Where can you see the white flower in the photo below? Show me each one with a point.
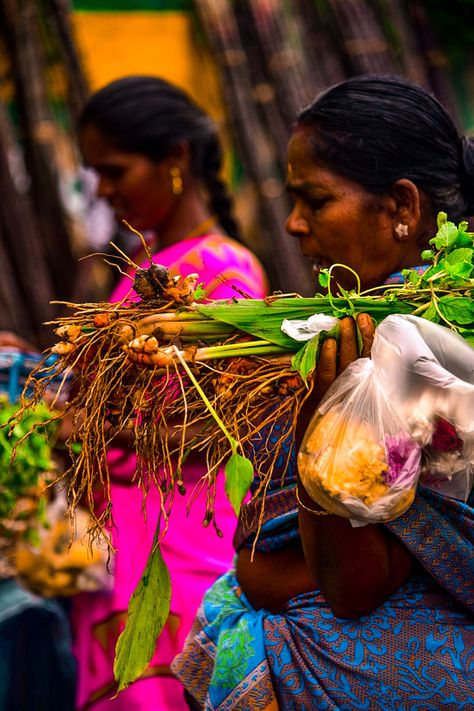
(301, 330)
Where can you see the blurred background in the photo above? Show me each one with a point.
(253, 64)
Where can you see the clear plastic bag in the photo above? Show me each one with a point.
(357, 459)
(406, 415)
(427, 373)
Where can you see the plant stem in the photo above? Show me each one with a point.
(201, 392)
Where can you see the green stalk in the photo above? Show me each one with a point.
(189, 373)
(254, 348)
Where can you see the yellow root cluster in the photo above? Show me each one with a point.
(126, 383)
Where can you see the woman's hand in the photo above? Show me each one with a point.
(331, 362)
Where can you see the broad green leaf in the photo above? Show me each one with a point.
(457, 308)
(148, 611)
(431, 314)
(446, 235)
(304, 361)
(238, 477)
(458, 264)
(432, 272)
(465, 239)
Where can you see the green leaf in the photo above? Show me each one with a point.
(441, 219)
(457, 309)
(199, 292)
(238, 477)
(435, 271)
(458, 264)
(468, 335)
(446, 235)
(324, 277)
(431, 313)
(411, 276)
(148, 611)
(304, 360)
(465, 239)
(427, 255)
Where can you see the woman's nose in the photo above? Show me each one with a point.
(296, 225)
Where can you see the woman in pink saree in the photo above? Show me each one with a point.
(158, 158)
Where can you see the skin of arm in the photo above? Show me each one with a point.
(357, 569)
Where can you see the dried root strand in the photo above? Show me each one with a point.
(106, 347)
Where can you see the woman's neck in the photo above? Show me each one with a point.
(190, 218)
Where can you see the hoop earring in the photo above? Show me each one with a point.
(176, 180)
(401, 230)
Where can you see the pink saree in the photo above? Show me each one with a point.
(195, 555)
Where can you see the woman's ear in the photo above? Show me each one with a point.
(180, 156)
(407, 210)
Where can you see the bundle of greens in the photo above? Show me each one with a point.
(171, 357)
(168, 362)
(26, 468)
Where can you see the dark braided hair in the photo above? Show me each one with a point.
(147, 115)
(376, 130)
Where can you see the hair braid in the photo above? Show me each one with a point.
(208, 169)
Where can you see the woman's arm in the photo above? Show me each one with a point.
(357, 568)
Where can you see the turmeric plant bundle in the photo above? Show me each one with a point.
(181, 374)
(167, 362)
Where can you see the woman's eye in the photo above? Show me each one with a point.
(316, 203)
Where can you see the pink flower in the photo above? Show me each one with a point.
(403, 460)
(445, 438)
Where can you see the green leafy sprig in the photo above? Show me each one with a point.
(25, 454)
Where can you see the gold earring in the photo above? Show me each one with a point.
(401, 230)
(176, 180)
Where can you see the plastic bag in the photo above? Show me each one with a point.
(427, 373)
(357, 460)
(406, 415)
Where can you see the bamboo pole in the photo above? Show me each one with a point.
(25, 282)
(39, 137)
(256, 144)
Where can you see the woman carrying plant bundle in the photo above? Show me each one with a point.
(329, 615)
(158, 160)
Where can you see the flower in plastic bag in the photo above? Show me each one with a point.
(403, 459)
(349, 470)
(342, 458)
(445, 438)
(420, 426)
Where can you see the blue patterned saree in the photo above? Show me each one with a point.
(414, 653)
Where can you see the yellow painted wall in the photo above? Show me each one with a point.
(113, 44)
